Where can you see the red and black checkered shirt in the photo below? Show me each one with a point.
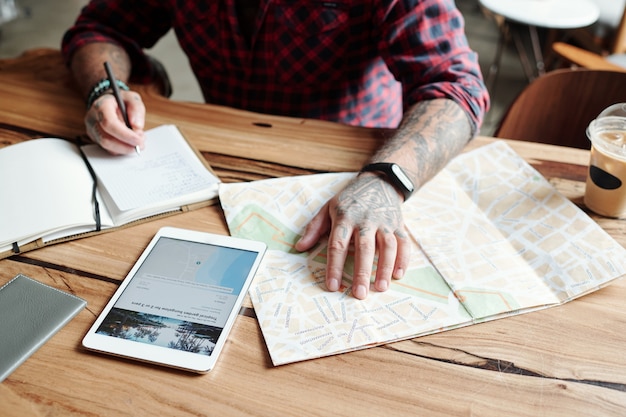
(357, 62)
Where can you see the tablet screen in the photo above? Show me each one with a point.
(180, 296)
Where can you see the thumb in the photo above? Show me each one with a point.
(317, 227)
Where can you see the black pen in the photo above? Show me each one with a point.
(118, 97)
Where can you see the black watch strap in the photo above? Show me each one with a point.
(395, 176)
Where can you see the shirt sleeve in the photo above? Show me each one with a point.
(131, 24)
(424, 45)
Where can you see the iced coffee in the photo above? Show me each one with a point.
(605, 192)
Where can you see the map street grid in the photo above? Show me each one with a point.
(491, 238)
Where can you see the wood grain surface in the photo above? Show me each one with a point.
(564, 361)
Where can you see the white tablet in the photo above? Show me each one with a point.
(179, 301)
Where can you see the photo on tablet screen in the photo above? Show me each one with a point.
(181, 296)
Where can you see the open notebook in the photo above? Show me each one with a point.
(53, 190)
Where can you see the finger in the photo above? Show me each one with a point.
(387, 251)
(338, 245)
(317, 227)
(403, 256)
(135, 108)
(364, 251)
(107, 128)
(113, 124)
(115, 146)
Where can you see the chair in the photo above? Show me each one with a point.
(160, 77)
(557, 107)
(8, 11)
(613, 59)
(514, 18)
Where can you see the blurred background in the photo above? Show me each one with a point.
(26, 24)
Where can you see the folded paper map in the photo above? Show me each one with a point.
(491, 238)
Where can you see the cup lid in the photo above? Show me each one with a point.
(618, 109)
(608, 134)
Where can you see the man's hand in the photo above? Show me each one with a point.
(368, 213)
(105, 124)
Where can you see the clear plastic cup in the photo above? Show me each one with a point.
(605, 191)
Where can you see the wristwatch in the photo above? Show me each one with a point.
(394, 175)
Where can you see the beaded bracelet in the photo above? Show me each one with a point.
(101, 88)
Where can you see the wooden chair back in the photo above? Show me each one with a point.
(588, 51)
(557, 107)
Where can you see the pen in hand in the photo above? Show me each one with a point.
(118, 98)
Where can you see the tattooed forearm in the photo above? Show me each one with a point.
(431, 133)
(87, 64)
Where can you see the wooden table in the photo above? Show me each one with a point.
(568, 360)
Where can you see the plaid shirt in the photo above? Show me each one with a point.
(357, 62)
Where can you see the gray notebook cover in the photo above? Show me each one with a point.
(30, 314)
